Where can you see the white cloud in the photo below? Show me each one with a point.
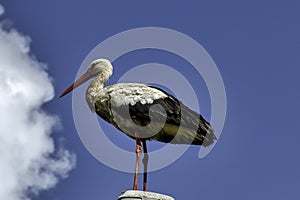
(29, 160)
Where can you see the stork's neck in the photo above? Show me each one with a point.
(95, 88)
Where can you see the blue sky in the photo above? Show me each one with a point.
(255, 46)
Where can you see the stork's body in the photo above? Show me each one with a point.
(130, 104)
(130, 108)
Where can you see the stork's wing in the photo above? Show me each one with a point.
(165, 111)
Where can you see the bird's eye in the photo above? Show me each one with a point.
(93, 65)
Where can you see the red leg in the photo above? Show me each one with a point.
(145, 162)
(138, 152)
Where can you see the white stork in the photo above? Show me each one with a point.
(112, 103)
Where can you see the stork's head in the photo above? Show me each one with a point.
(97, 67)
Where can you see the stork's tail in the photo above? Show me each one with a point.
(205, 134)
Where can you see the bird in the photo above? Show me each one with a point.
(131, 107)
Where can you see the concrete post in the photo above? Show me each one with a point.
(141, 195)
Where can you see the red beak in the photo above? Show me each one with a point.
(78, 82)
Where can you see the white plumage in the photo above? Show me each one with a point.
(129, 93)
(120, 94)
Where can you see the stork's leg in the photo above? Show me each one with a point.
(145, 162)
(138, 152)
